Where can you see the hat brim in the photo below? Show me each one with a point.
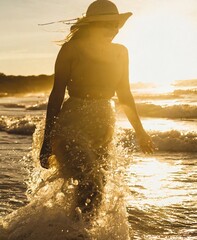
(120, 18)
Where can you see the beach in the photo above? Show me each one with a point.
(160, 189)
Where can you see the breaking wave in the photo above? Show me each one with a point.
(172, 141)
(175, 111)
(168, 141)
(19, 125)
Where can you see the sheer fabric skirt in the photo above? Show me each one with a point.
(80, 141)
(81, 137)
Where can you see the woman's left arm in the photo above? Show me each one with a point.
(127, 102)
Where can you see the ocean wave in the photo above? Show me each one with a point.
(169, 141)
(176, 94)
(146, 97)
(3, 95)
(181, 92)
(13, 105)
(175, 141)
(19, 125)
(172, 141)
(146, 110)
(175, 111)
(186, 83)
(38, 106)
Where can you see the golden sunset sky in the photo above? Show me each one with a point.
(161, 36)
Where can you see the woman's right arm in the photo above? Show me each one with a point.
(61, 76)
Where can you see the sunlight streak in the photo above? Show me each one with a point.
(153, 181)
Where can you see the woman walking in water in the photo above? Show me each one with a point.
(79, 130)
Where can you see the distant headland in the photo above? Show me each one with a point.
(10, 84)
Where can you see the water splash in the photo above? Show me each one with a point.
(48, 214)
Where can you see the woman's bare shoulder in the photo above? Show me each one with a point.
(67, 48)
(119, 46)
(121, 49)
(67, 52)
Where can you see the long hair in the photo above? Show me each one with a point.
(77, 31)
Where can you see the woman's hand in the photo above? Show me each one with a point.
(45, 153)
(145, 142)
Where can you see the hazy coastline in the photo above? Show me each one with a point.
(10, 84)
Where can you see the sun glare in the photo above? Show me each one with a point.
(162, 48)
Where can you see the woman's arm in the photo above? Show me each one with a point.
(62, 75)
(127, 102)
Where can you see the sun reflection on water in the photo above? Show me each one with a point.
(160, 124)
(155, 183)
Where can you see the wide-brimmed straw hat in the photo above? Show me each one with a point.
(104, 11)
(98, 11)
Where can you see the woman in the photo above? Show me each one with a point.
(79, 131)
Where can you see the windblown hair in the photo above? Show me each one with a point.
(78, 30)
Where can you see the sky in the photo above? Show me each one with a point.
(161, 36)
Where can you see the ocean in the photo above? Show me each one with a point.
(148, 196)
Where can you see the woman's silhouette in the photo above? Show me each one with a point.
(78, 132)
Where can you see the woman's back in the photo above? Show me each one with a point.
(96, 68)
